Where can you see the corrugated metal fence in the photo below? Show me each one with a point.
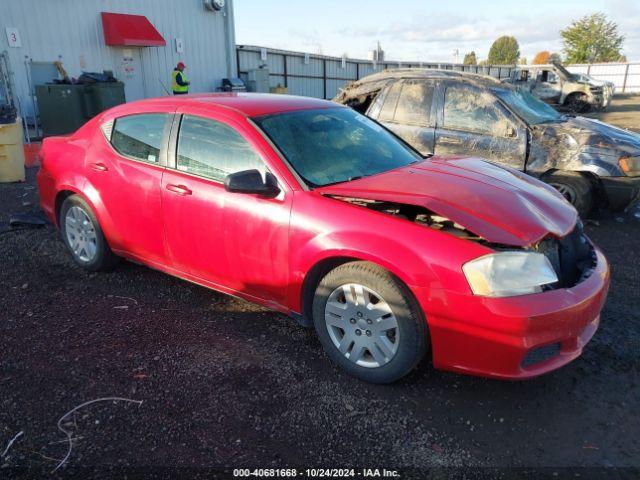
(625, 76)
(322, 76)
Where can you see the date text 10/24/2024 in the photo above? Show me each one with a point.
(316, 473)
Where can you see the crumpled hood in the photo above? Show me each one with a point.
(590, 132)
(500, 205)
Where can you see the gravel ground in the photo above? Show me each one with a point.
(623, 112)
(224, 383)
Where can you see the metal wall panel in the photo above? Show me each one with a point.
(71, 31)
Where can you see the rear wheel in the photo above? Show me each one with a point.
(577, 189)
(369, 323)
(83, 236)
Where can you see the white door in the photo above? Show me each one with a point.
(128, 69)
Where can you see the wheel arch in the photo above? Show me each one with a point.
(61, 196)
(95, 203)
(574, 93)
(322, 267)
(589, 175)
(311, 281)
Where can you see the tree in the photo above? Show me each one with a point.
(470, 59)
(541, 58)
(523, 61)
(555, 58)
(504, 51)
(592, 39)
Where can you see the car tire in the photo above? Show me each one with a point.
(575, 187)
(577, 103)
(82, 235)
(393, 334)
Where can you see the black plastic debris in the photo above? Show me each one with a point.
(26, 219)
(96, 77)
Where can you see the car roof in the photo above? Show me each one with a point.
(246, 104)
(404, 73)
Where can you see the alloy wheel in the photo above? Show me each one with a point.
(81, 234)
(362, 326)
(566, 191)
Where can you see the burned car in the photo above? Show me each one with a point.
(555, 85)
(452, 113)
(608, 87)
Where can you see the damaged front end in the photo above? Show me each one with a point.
(572, 257)
(413, 213)
(609, 155)
(581, 144)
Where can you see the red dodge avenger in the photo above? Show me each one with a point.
(316, 211)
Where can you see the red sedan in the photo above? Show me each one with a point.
(314, 210)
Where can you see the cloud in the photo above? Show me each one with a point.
(438, 34)
(443, 33)
(413, 35)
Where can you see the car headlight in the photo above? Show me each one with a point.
(506, 274)
(630, 166)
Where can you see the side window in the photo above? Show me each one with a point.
(414, 105)
(470, 110)
(376, 106)
(211, 149)
(139, 136)
(391, 100)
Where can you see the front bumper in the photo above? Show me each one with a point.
(621, 192)
(501, 337)
(597, 101)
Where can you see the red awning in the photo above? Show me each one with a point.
(123, 30)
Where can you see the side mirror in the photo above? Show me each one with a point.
(251, 181)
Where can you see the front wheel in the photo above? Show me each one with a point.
(83, 236)
(573, 186)
(369, 323)
(578, 103)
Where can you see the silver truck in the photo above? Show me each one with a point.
(560, 88)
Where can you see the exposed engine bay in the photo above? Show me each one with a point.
(416, 214)
(572, 257)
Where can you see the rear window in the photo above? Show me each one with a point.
(139, 136)
(390, 101)
(407, 102)
(414, 105)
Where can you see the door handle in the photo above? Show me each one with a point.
(99, 167)
(179, 189)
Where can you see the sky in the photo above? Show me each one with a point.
(422, 30)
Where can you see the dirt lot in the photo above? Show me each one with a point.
(624, 112)
(226, 384)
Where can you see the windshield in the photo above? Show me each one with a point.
(334, 145)
(581, 77)
(528, 107)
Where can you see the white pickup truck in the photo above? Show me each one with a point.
(555, 85)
